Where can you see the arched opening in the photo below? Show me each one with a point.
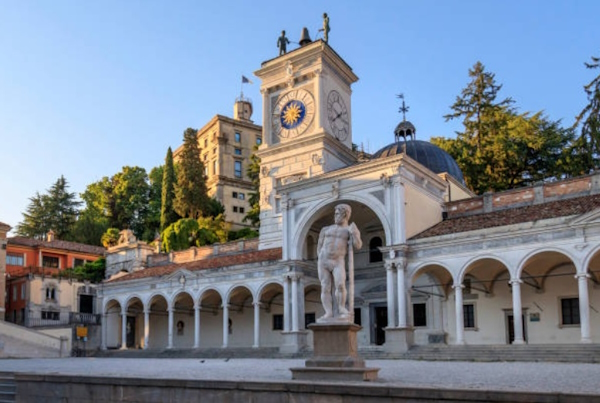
(159, 322)
(241, 317)
(112, 323)
(427, 309)
(134, 331)
(375, 254)
(271, 315)
(183, 321)
(211, 319)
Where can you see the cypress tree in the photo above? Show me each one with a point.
(167, 213)
(191, 197)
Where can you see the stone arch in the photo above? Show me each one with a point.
(534, 254)
(487, 269)
(183, 319)
(270, 293)
(111, 322)
(153, 296)
(210, 302)
(238, 295)
(317, 212)
(109, 301)
(592, 260)
(130, 297)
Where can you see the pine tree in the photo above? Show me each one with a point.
(191, 197)
(587, 146)
(35, 220)
(167, 213)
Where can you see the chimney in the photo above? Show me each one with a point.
(50, 236)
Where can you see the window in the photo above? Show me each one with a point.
(15, 260)
(242, 210)
(375, 254)
(205, 157)
(23, 291)
(79, 262)
(205, 143)
(420, 314)
(234, 195)
(278, 322)
(309, 318)
(358, 316)
(235, 209)
(237, 151)
(258, 141)
(51, 294)
(238, 137)
(214, 151)
(241, 196)
(469, 316)
(50, 261)
(214, 167)
(50, 315)
(238, 169)
(14, 293)
(570, 311)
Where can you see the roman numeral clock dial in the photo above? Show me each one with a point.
(293, 113)
(337, 114)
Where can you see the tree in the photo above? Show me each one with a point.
(91, 271)
(56, 210)
(180, 235)
(169, 179)
(191, 197)
(253, 172)
(587, 146)
(110, 237)
(153, 214)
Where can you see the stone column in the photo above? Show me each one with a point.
(196, 325)
(146, 328)
(104, 331)
(225, 325)
(286, 304)
(402, 314)
(584, 307)
(294, 277)
(256, 325)
(458, 307)
(171, 320)
(517, 311)
(391, 300)
(123, 329)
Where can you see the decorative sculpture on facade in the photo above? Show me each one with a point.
(335, 241)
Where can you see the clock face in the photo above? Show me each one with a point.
(337, 114)
(293, 113)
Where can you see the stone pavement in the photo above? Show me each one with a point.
(501, 376)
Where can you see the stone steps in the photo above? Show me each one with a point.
(234, 352)
(8, 388)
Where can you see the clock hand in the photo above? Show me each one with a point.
(336, 118)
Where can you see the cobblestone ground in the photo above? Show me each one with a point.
(512, 376)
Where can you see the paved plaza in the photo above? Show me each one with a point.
(504, 376)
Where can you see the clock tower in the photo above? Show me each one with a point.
(307, 128)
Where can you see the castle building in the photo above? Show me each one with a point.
(438, 265)
(226, 146)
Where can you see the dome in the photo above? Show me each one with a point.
(405, 129)
(426, 154)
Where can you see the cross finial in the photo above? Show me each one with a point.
(403, 109)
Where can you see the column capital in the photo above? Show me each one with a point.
(515, 281)
(258, 303)
(400, 262)
(389, 265)
(582, 275)
(458, 286)
(295, 276)
(146, 311)
(225, 306)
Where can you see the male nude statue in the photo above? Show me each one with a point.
(282, 42)
(331, 250)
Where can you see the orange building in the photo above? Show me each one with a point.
(31, 261)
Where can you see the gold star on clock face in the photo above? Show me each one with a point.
(291, 113)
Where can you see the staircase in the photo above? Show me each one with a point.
(8, 388)
(232, 352)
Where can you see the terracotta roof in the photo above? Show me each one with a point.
(559, 208)
(4, 224)
(210, 263)
(58, 244)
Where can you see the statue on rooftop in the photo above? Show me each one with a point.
(325, 28)
(335, 241)
(282, 43)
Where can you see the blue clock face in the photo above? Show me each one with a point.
(292, 114)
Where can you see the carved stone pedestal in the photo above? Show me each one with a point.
(335, 355)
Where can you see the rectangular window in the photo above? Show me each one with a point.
(238, 169)
(235, 209)
(214, 167)
(469, 316)
(23, 291)
(358, 316)
(278, 322)
(50, 261)
(238, 137)
(570, 311)
(78, 262)
(205, 143)
(234, 195)
(420, 314)
(237, 151)
(258, 141)
(241, 196)
(214, 151)
(15, 260)
(242, 210)
(309, 318)
(49, 315)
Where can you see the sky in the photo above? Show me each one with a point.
(89, 87)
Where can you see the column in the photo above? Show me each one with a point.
(584, 307)
(294, 278)
(225, 325)
(402, 314)
(391, 300)
(104, 331)
(517, 311)
(196, 325)
(460, 319)
(286, 304)
(123, 329)
(146, 328)
(256, 325)
(170, 342)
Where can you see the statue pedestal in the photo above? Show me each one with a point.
(398, 339)
(335, 355)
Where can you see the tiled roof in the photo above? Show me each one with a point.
(4, 224)
(58, 244)
(266, 255)
(559, 208)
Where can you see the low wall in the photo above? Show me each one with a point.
(25, 336)
(61, 388)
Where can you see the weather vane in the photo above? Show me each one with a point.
(403, 109)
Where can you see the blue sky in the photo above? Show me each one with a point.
(89, 87)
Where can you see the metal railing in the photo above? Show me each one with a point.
(73, 318)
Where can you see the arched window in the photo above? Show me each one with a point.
(375, 254)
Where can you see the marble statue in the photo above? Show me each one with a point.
(335, 241)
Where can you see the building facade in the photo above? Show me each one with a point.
(4, 228)
(438, 265)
